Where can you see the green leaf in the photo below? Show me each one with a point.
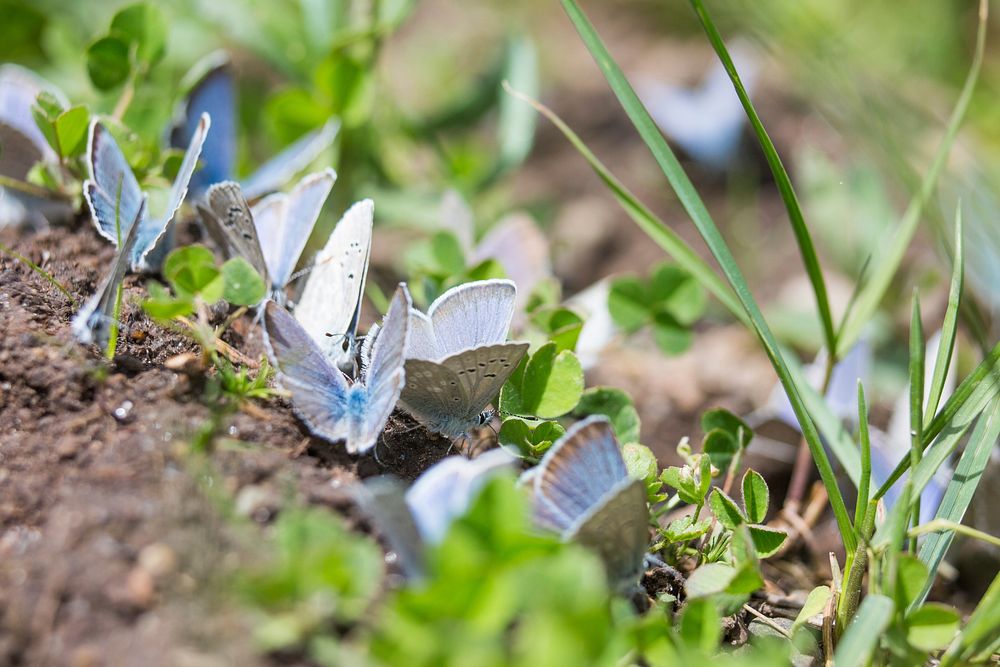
(720, 418)
(108, 63)
(815, 604)
(628, 303)
(616, 405)
(516, 123)
(562, 325)
(946, 344)
(685, 529)
(980, 631)
(448, 253)
(546, 384)
(243, 285)
(806, 248)
(709, 579)
(932, 626)
(910, 576)
(24, 29)
(347, 86)
(46, 125)
(767, 541)
(861, 640)
(962, 487)
(698, 212)
(755, 496)
(676, 290)
(531, 439)
(71, 129)
(700, 626)
(191, 271)
(640, 461)
(162, 306)
(726, 510)
(144, 26)
(720, 447)
(670, 335)
(684, 482)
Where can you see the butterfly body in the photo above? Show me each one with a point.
(332, 407)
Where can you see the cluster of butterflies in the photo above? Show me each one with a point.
(444, 367)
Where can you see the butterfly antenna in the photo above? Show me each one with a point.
(309, 269)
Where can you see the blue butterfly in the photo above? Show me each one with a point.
(115, 198)
(215, 93)
(581, 490)
(321, 395)
(92, 323)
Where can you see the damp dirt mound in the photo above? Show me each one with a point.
(110, 539)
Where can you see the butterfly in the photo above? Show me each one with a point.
(271, 234)
(114, 196)
(92, 323)
(331, 407)
(214, 93)
(581, 490)
(458, 358)
(421, 515)
(22, 146)
(707, 121)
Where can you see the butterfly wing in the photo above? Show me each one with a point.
(617, 529)
(92, 323)
(472, 315)
(229, 222)
(383, 498)
(214, 94)
(448, 396)
(281, 168)
(330, 304)
(522, 250)
(151, 229)
(583, 491)
(112, 192)
(579, 468)
(319, 392)
(385, 373)
(284, 223)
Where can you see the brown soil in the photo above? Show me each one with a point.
(103, 509)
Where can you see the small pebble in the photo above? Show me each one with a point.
(158, 559)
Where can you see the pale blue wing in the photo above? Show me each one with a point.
(285, 222)
(278, 171)
(471, 315)
(385, 374)
(151, 229)
(112, 192)
(92, 323)
(330, 304)
(617, 528)
(319, 392)
(214, 94)
(383, 499)
(576, 473)
(445, 491)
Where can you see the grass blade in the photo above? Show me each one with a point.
(696, 209)
(946, 346)
(887, 265)
(982, 629)
(806, 248)
(962, 487)
(980, 387)
(657, 230)
(40, 271)
(916, 398)
(859, 643)
(866, 461)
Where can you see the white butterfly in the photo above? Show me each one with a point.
(458, 357)
(581, 490)
(115, 198)
(321, 396)
(271, 234)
